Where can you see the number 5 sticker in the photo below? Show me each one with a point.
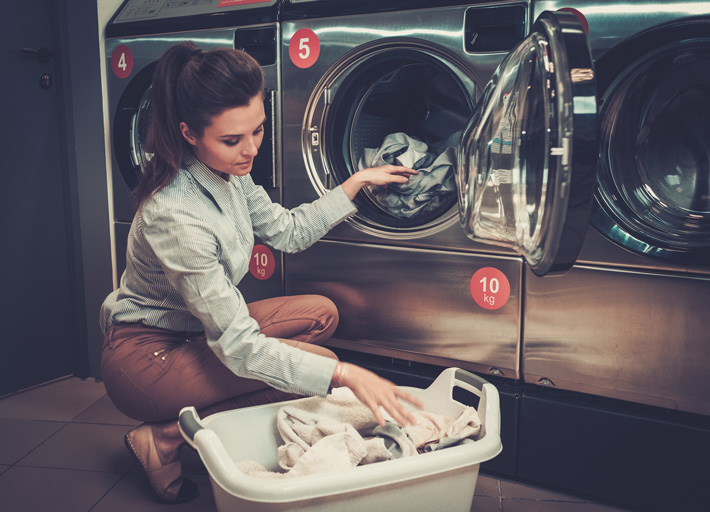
(490, 288)
(304, 48)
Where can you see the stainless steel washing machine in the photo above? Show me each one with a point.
(629, 320)
(442, 285)
(137, 35)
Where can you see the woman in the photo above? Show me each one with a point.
(178, 331)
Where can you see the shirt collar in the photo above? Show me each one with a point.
(214, 182)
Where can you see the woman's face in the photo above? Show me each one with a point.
(231, 142)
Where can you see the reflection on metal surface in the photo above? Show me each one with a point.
(422, 32)
(610, 22)
(581, 74)
(409, 302)
(626, 335)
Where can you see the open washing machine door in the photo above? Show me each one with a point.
(527, 159)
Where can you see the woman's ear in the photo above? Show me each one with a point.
(187, 134)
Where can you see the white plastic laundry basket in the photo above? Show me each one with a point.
(443, 480)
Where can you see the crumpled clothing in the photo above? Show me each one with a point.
(338, 432)
(437, 431)
(423, 193)
(323, 434)
(397, 442)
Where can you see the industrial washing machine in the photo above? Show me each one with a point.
(408, 281)
(605, 361)
(629, 321)
(136, 36)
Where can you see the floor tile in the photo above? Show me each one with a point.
(59, 401)
(20, 437)
(83, 446)
(510, 505)
(518, 490)
(43, 489)
(487, 486)
(192, 463)
(486, 504)
(103, 411)
(133, 492)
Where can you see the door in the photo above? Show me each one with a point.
(527, 160)
(36, 286)
(653, 196)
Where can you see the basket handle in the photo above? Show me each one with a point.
(472, 380)
(189, 423)
(444, 384)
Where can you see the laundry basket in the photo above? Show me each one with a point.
(442, 480)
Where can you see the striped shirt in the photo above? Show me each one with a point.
(188, 248)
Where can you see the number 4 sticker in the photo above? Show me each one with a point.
(122, 61)
(304, 48)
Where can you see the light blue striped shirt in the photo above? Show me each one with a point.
(188, 248)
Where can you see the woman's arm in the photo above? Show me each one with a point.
(300, 227)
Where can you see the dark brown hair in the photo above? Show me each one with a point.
(191, 86)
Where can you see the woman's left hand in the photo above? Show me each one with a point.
(377, 176)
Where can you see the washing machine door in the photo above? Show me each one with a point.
(527, 159)
(653, 193)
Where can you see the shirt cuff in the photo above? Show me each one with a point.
(337, 206)
(316, 374)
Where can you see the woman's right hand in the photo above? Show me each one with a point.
(378, 176)
(375, 392)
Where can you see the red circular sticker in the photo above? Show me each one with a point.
(304, 48)
(490, 288)
(122, 61)
(581, 17)
(262, 263)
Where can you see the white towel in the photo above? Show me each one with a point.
(324, 435)
(328, 431)
(432, 427)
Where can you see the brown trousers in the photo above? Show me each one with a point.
(150, 373)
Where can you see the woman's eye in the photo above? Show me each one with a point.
(231, 142)
(259, 130)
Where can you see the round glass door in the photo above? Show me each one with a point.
(527, 159)
(399, 102)
(653, 196)
(139, 131)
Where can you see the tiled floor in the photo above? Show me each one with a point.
(62, 449)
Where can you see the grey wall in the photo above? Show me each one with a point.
(86, 161)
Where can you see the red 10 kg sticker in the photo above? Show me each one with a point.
(490, 288)
(262, 263)
(304, 48)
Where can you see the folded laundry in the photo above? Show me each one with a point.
(339, 432)
(423, 193)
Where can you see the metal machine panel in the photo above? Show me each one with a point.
(610, 21)
(628, 335)
(413, 304)
(441, 31)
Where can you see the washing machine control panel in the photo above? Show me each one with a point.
(137, 10)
